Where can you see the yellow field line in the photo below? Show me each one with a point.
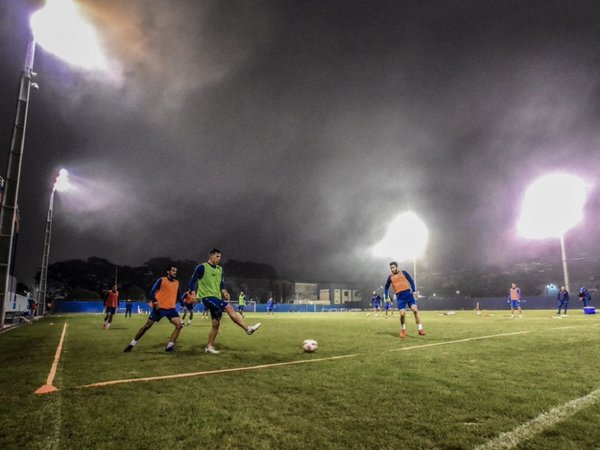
(288, 363)
(212, 372)
(48, 387)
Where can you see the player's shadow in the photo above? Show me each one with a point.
(387, 333)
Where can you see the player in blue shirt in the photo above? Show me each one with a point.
(387, 306)
(563, 300)
(376, 301)
(585, 296)
(270, 306)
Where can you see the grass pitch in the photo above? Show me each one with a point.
(469, 380)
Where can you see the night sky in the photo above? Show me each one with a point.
(292, 132)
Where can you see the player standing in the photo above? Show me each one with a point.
(270, 306)
(404, 288)
(111, 302)
(241, 303)
(163, 296)
(514, 297)
(128, 307)
(208, 277)
(562, 300)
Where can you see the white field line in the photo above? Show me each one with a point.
(546, 420)
(456, 342)
(288, 363)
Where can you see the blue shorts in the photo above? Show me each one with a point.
(157, 314)
(405, 298)
(376, 305)
(216, 306)
(110, 309)
(241, 307)
(189, 306)
(387, 306)
(515, 303)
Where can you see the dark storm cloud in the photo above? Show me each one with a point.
(293, 132)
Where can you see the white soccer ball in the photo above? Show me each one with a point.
(310, 345)
(368, 314)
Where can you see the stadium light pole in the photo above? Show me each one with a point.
(553, 204)
(61, 185)
(60, 29)
(405, 239)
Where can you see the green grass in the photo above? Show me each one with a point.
(452, 396)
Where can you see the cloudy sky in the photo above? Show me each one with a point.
(292, 132)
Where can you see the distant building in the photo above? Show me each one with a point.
(327, 293)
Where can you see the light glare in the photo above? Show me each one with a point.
(62, 183)
(405, 239)
(553, 204)
(60, 29)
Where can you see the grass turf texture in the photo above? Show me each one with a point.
(458, 395)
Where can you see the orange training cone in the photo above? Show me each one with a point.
(46, 389)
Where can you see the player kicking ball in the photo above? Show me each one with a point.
(164, 296)
(208, 279)
(404, 288)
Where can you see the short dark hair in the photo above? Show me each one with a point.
(214, 251)
(171, 266)
(394, 263)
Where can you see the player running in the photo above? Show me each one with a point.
(163, 296)
(208, 278)
(387, 307)
(404, 288)
(376, 301)
(188, 301)
(111, 303)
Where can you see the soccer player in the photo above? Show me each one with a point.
(584, 296)
(208, 280)
(404, 288)
(563, 300)
(376, 301)
(387, 306)
(270, 306)
(514, 297)
(241, 303)
(111, 302)
(128, 307)
(188, 300)
(163, 297)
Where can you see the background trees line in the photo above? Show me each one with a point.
(79, 279)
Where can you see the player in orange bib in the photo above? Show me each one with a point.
(404, 288)
(163, 296)
(111, 303)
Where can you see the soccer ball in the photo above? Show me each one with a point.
(310, 345)
(368, 314)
